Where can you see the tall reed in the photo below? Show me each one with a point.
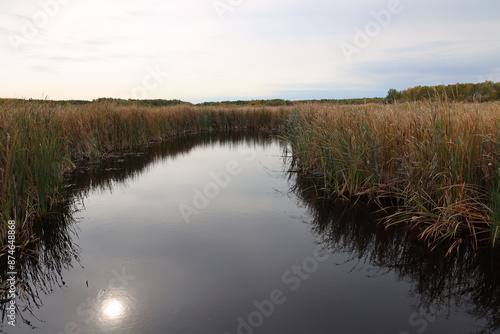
(437, 164)
(39, 142)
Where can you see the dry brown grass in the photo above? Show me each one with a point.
(437, 164)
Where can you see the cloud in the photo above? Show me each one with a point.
(261, 49)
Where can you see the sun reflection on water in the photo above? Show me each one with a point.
(113, 309)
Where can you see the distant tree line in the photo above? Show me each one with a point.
(479, 92)
(357, 101)
(152, 103)
(255, 103)
(59, 102)
(281, 102)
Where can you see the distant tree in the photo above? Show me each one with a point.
(393, 95)
(487, 91)
(468, 92)
(496, 85)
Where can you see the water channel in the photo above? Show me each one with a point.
(211, 234)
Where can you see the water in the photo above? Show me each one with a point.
(210, 234)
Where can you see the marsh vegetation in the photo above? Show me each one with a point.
(433, 167)
(429, 166)
(40, 142)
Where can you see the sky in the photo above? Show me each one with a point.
(213, 50)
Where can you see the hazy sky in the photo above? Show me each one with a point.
(205, 50)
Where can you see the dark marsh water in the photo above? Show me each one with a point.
(210, 234)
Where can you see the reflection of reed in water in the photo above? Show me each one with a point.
(470, 279)
(126, 166)
(41, 263)
(52, 247)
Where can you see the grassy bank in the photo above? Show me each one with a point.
(436, 165)
(40, 142)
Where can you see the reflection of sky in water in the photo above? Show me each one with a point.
(156, 195)
(150, 272)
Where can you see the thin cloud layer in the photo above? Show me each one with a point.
(214, 50)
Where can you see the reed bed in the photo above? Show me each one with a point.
(433, 167)
(40, 142)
